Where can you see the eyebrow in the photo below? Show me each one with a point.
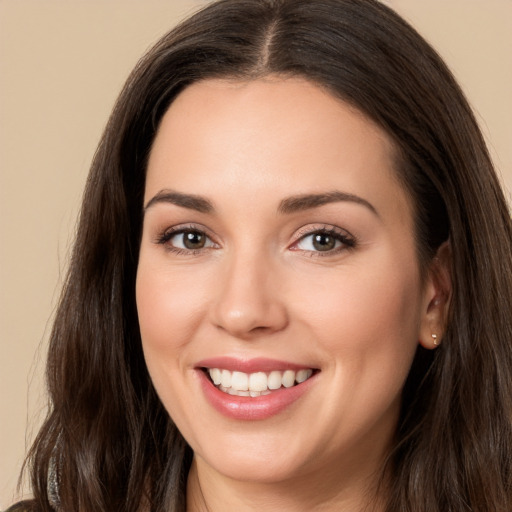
(289, 205)
(189, 201)
(307, 201)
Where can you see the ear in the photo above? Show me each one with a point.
(436, 298)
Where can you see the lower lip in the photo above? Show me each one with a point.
(252, 408)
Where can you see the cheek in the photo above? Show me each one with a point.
(366, 319)
(369, 301)
(170, 306)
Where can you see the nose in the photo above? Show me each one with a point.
(249, 303)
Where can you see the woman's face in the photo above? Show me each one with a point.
(278, 258)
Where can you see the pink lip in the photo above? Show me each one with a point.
(259, 364)
(252, 408)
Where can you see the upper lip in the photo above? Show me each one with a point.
(259, 364)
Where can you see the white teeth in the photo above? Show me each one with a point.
(258, 381)
(239, 381)
(275, 380)
(225, 378)
(303, 375)
(256, 384)
(288, 378)
(216, 376)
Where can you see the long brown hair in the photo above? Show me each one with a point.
(109, 444)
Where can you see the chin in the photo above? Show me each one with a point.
(260, 471)
(259, 461)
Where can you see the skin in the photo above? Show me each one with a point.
(260, 288)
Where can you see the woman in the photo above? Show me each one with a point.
(291, 284)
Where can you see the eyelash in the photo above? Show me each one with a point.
(346, 240)
(168, 234)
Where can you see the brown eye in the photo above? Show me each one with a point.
(323, 242)
(186, 240)
(194, 239)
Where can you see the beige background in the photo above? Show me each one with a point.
(62, 64)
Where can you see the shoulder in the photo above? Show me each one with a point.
(22, 506)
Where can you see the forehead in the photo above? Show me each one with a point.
(271, 137)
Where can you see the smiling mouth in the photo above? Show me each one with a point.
(258, 383)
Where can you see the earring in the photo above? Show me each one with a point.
(434, 337)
